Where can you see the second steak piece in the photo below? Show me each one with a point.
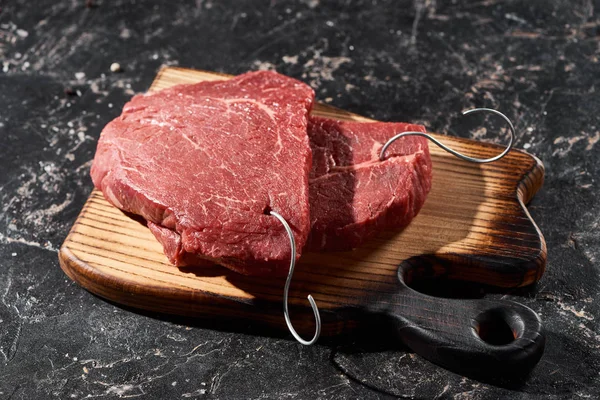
(353, 194)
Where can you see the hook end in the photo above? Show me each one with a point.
(317, 314)
(286, 289)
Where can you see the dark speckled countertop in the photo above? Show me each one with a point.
(422, 61)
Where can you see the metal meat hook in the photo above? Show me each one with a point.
(454, 152)
(286, 289)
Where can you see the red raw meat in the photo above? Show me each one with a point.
(353, 194)
(204, 164)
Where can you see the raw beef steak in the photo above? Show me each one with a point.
(353, 194)
(205, 163)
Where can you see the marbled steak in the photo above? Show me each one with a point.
(206, 162)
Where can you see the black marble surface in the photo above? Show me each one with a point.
(422, 61)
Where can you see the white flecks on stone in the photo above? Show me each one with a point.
(580, 314)
(195, 393)
(479, 133)
(115, 67)
(41, 217)
(22, 33)
(263, 66)
(120, 390)
(176, 337)
(321, 68)
(110, 105)
(561, 152)
(311, 3)
(290, 59)
(14, 254)
(329, 23)
(514, 17)
(592, 140)
(79, 75)
(526, 146)
(25, 189)
(6, 239)
(125, 33)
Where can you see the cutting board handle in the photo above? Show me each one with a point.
(476, 337)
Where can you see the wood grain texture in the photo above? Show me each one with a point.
(474, 226)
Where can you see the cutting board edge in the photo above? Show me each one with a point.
(529, 185)
(160, 300)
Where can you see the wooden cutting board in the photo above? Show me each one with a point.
(474, 227)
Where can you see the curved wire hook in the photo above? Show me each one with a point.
(286, 289)
(454, 152)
